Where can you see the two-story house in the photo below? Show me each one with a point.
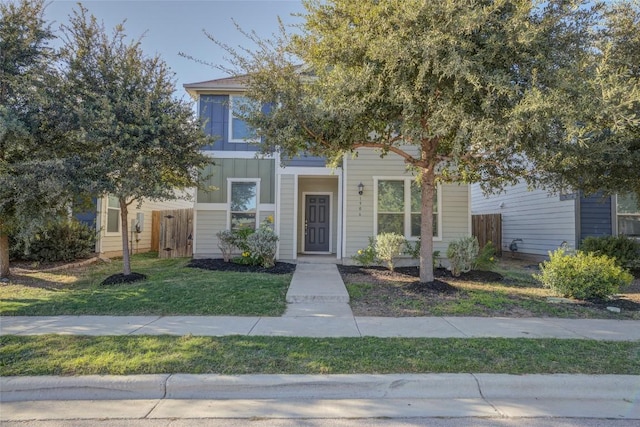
(315, 209)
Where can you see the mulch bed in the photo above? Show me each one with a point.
(120, 278)
(218, 264)
(413, 272)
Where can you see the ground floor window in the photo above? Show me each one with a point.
(398, 203)
(243, 204)
(113, 215)
(628, 214)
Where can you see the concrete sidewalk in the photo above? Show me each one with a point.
(326, 326)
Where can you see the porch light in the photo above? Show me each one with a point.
(360, 188)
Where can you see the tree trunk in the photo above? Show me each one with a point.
(124, 217)
(4, 255)
(426, 225)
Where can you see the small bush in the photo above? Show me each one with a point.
(486, 258)
(262, 247)
(240, 238)
(582, 275)
(462, 254)
(388, 247)
(625, 250)
(367, 256)
(60, 241)
(226, 243)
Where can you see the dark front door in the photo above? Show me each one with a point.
(316, 223)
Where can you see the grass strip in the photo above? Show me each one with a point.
(124, 355)
(171, 289)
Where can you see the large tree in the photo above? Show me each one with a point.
(459, 89)
(36, 177)
(136, 140)
(602, 153)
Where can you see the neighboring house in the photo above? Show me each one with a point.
(316, 210)
(105, 216)
(536, 222)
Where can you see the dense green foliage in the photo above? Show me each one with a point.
(37, 178)
(389, 247)
(582, 275)
(462, 254)
(601, 150)
(460, 91)
(64, 240)
(138, 141)
(625, 250)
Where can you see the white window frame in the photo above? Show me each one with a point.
(118, 210)
(230, 182)
(407, 206)
(617, 214)
(231, 116)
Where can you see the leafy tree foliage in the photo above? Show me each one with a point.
(460, 90)
(35, 175)
(137, 141)
(602, 150)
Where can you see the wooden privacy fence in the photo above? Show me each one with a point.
(488, 228)
(172, 233)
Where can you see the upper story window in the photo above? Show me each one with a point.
(239, 131)
(628, 214)
(398, 205)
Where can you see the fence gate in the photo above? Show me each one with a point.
(488, 228)
(175, 232)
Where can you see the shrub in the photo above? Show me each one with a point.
(388, 247)
(486, 257)
(226, 243)
(366, 256)
(462, 254)
(65, 240)
(240, 238)
(625, 250)
(262, 246)
(413, 250)
(582, 275)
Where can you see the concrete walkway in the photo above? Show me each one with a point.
(318, 307)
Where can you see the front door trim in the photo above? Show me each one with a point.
(304, 218)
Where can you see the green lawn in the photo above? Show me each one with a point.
(81, 355)
(171, 289)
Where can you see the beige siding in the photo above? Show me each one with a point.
(359, 210)
(208, 223)
(238, 168)
(111, 243)
(287, 220)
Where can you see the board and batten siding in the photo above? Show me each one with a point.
(596, 213)
(222, 169)
(359, 210)
(541, 220)
(214, 113)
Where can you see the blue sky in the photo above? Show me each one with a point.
(174, 26)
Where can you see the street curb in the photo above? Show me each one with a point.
(394, 386)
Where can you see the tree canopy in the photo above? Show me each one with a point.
(35, 180)
(135, 140)
(602, 150)
(460, 90)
